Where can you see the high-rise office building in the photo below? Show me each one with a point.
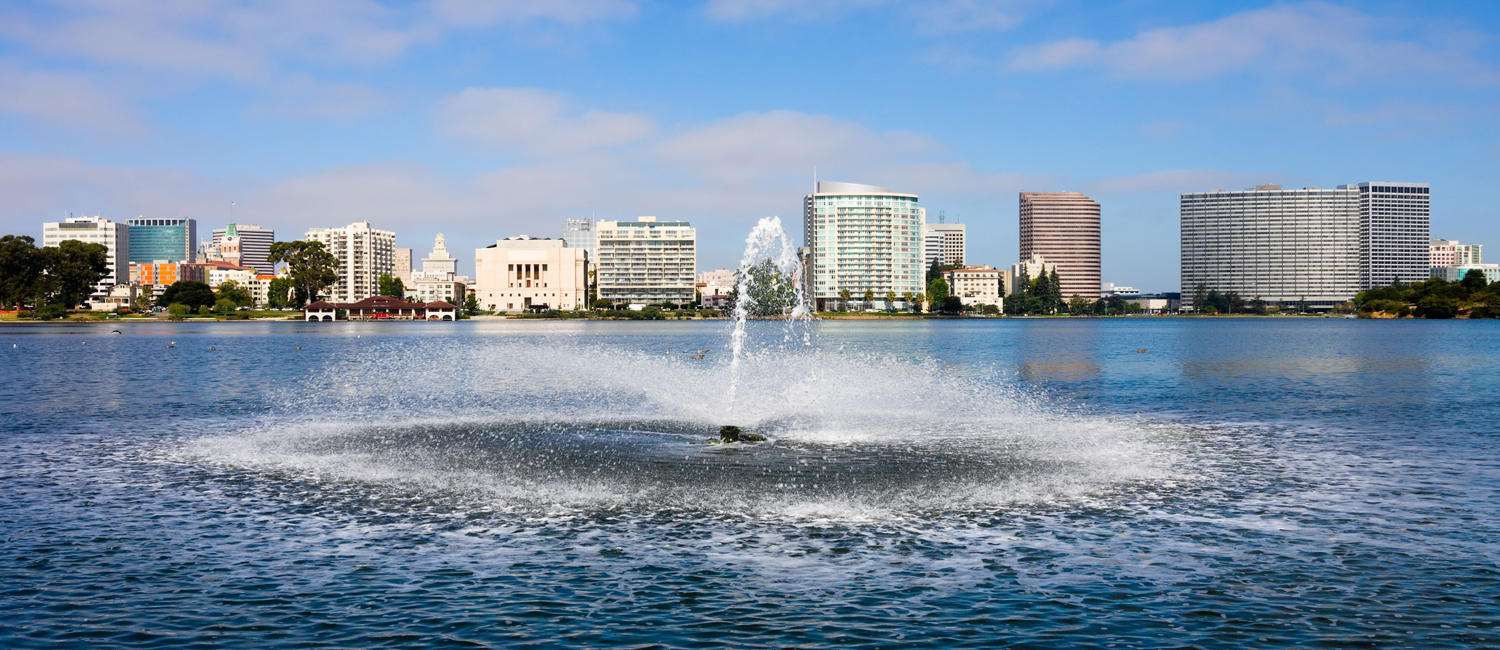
(862, 238)
(1063, 227)
(1395, 231)
(364, 254)
(945, 243)
(163, 240)
(646, 261)
(93, 230)
(1315, 245)
(1273, 244)
(254, 246)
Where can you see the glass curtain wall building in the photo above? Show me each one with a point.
(163, 240)
(862, 238)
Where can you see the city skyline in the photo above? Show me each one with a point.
(481, 122)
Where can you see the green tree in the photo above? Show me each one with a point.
(767, 291)
(669, 305)
(311, 267)
(471, 304)
(1079, 305)
(890, 301)
(844, 296)
(1474, 280)
(279, 293)
(391, 286)
(869, 298)
(603, 304)
(917, 301)
(1023, 283)
(178, 311)
(934, 271)
(937, 293)
(234, 293)
(1200, 296)
(192, 293)
(21, 266)
(1054, 295)
(224, 306)
(952, 305)
(73, 271)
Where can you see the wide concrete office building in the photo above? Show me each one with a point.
(863, 237)
(945, 243)
(170, 240)
(1320, 246)
(253, 243)
(93, 230)
(646, 261)
(364, 253)
(1063, 227)
(520, 273)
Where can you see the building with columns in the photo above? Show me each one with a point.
(521, 273)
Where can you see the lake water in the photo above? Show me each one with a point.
(1025, 483)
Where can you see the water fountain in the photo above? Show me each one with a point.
(768, 284)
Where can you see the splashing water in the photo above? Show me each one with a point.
(768, 283)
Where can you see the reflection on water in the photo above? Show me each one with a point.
(1245, 483)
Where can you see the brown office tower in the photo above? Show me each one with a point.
(1063, 227)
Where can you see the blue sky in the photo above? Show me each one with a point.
(483, 120)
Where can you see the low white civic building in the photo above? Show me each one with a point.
(525, 273)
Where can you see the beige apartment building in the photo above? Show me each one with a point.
(364, 253)
(1034, 266)
(975, 285)
(520, 273)
(1063, 227)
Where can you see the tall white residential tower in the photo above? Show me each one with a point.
(364, 253)
(647, 261)
(862, 237)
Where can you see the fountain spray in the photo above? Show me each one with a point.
(768, 284)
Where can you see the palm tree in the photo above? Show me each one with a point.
(869, 298)
(844, 297)
(890, 301)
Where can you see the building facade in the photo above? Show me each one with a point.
(364, 253)
(1449, 252)
(718, 282)
(252, 246)
(520, 273)
(862, 237)
(975, 285)
(1031, 268)
(171, 240)
(439, 263)
(1316, 245)
(1457, 272)
(646, 261)
(401, 267)
(944, 243)
(1064, 228)
(1395, 233)
(93, 230)
(580, 233)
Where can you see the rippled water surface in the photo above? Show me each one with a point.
(1024, 483)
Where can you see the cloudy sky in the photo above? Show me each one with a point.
(483, 120)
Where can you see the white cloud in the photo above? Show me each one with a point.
(246, 39)
(67, 100)
(301, 97)
(754, 147)
(1312, 35)
(931, 16)
(535, 122)
(1177, 181)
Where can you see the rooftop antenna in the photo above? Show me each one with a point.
(942, 216)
